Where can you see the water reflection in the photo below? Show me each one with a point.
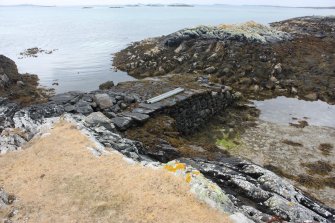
(285, 110)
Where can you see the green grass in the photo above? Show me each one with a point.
(227, 143)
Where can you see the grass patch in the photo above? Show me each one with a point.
(227, 143)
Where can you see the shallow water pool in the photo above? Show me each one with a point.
(285, 110)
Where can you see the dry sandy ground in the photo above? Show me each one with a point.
(57, 179)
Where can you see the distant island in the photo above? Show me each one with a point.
(155, 5)
(180, 5)
(303, 7)
(133, 5)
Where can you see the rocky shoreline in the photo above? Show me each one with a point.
(248, 189)
(290, 58)
(217, 67)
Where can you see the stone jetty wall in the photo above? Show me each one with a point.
(191, 113)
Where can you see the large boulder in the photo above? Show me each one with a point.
(104, 101)
(99, 119)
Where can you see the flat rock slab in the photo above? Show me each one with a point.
(122, 123)
(104, 101)
(156, 106)
(69, 97)
(143, 111)
(136, 116)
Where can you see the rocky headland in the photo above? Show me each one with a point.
(292, 58)
(218, 68)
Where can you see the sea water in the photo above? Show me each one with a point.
(87, 38)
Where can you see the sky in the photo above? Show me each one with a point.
(319, 3)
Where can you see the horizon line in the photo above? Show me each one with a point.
(168, 4)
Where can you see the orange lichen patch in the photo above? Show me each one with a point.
(175, 168)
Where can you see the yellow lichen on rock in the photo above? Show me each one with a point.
(175, 167)
(188, 177)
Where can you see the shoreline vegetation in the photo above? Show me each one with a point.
(211, 124)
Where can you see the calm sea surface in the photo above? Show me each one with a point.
(87, 38)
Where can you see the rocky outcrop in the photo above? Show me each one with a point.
(235, 186)
(241, 188)
(261, 193)
(318, 26)
(289, 58)
(247, 32)
(23, 88)
(8, 72)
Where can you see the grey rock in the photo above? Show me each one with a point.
(261, 34)
(104, 101)
(69, 97)
(107, 85)
(136, 116)
(123, 105)
(155, 107)
(110, 114)
(86, 109)
(83, 107)
(164, 152)
(69, 108)
(87, 98)
(20, 83)
(4, 80)
(116, 108)
(210, 70)
(262, 188)
(122, 123)
(97, 118)
(143, 111)
(7, 111)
